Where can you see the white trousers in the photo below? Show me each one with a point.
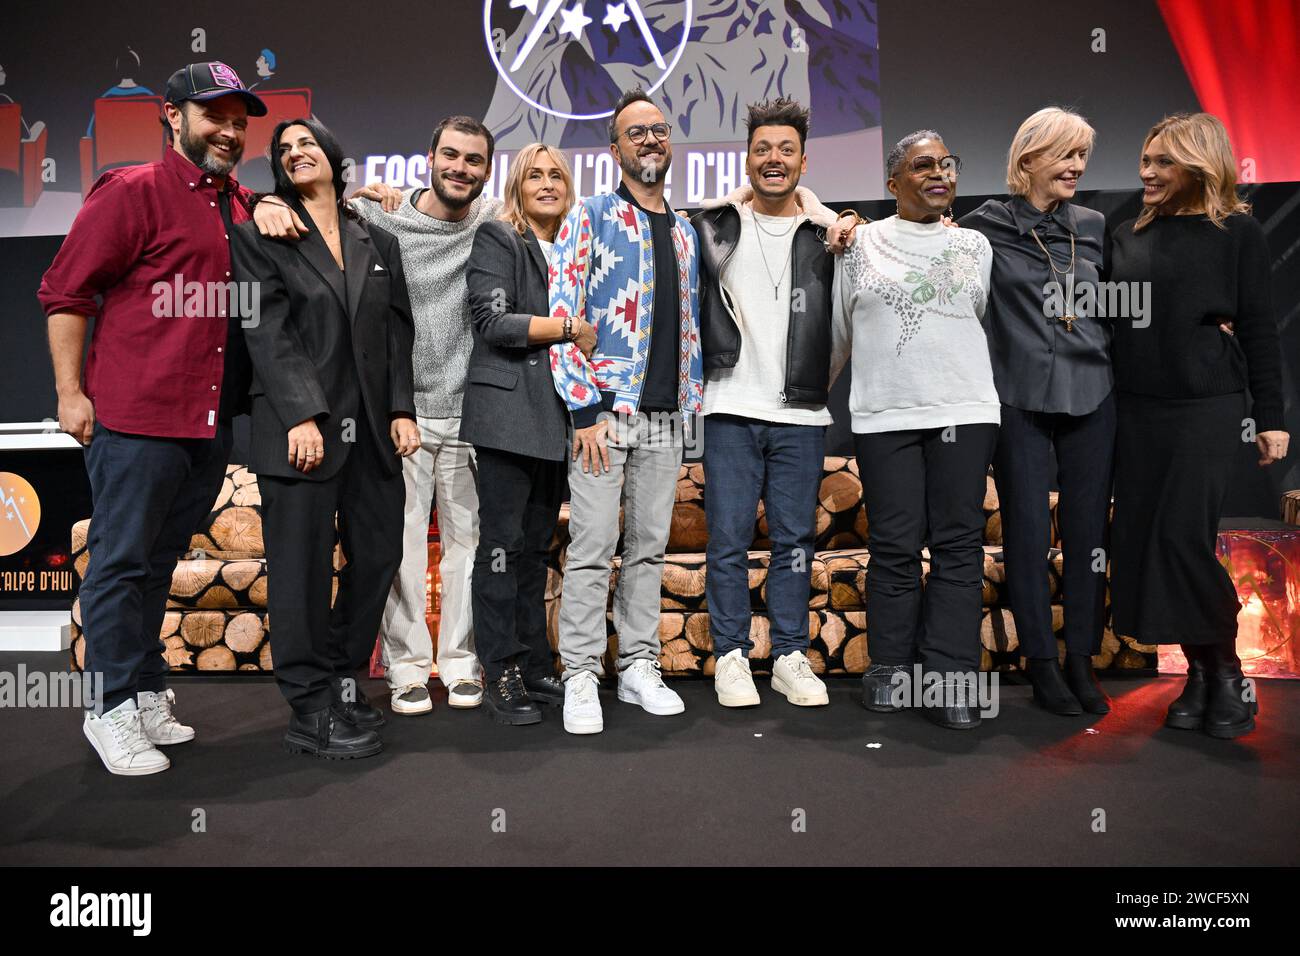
(443, 470)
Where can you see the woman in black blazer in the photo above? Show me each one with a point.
(333, 408)
(518, 425)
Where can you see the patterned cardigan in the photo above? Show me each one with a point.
(602, 270)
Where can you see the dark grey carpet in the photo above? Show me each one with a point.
(712, 786)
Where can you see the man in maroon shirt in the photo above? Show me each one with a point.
(165, 373)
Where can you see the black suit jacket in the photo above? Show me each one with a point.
(326, 340)
(510, 399)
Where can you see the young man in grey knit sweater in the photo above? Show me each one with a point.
(435, 231)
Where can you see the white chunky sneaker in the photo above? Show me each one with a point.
(733, 682)
(464, 694)
(641, 683)
(160, 724)
(412, 699)
(792, 676)
(582, 713)
(120, 741)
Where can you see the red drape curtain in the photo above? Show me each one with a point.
(1243, 59)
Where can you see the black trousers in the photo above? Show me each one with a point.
(518, 504)
(310, 642)
(1084, 448)
(920, 489)
(1174, 459)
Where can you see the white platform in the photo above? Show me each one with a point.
(35, 630)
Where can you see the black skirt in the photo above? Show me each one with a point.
(1173, 461)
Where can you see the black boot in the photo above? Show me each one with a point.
(1187, 712)
(546, 689)
(1051, 692)
(1082, 681)
(324, 734)
(880, 688)
(960, 709)
(350, 703)
(507, 700)
(1228, 712)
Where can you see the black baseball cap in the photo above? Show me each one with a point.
(207, 81)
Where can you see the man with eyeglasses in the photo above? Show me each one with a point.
(626, 263)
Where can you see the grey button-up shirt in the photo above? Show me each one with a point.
(1037, 365)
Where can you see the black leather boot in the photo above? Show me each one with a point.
(350, 703)
(880, 689)
(546, 689)
(960, 710)
(324, 734)
(1082, 681)
(507, 700)
(1228, 712)
(1187, 711)
(1051, 692)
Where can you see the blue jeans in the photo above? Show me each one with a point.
(743, 459)
(149, 496)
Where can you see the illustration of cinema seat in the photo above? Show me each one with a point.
(127, 131)
(280, 105)
(20, 158)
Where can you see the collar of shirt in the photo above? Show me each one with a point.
(196, 178)
(626, 194)
(1027, 216)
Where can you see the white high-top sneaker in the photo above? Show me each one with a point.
(641, 683)
(792, 676)
(733, 682)
(582, 714)
(119, 739)
(160, 724)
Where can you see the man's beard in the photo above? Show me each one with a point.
(644, 168)
(450, 201)
(199, 152)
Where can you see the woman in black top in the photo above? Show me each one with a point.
(1051, 364)
(518, 425)
(1183, 411)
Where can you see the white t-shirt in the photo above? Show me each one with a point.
(758, 279)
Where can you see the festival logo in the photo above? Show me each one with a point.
(20, 513)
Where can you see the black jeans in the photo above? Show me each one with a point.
(149, 494)
(310, 641)
(920, 489)
(1022, 468)
(518, 504)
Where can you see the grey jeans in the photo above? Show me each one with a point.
(644, 459)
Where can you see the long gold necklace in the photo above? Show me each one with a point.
(1067, 274)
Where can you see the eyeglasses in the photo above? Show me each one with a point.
(638, 133)
(928, 164)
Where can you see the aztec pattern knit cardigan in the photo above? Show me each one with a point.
(602, 270)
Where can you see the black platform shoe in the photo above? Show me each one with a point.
(1051, 692)
(960, 710)
(1187, 711)
(354, 706)
(507, 700)
(879, 687)
(546, 689)
(1228, 713)
(324, 734)
(1082, 681)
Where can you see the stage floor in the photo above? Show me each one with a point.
(711, 786)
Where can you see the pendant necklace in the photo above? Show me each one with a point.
(776, 283)
(1067, 274)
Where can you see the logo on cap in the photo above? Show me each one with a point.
(223, 75)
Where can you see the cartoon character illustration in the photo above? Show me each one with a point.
(127, 67)
(265, 68)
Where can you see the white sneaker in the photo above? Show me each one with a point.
(464, 694)
(582, 713)
(641, 683)
(119, 739)
(792, 676)
(733, 682)
(160, 724)
(412, 699)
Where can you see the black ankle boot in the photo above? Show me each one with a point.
(960, 709)
(324, 734)
(1082, 681)
(507, 700)
(545, 689)
(350, 703)
(1228, 713)
(1050, 689)
(1187, 712)
(880, 688)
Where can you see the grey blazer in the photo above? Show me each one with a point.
(510, 399)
